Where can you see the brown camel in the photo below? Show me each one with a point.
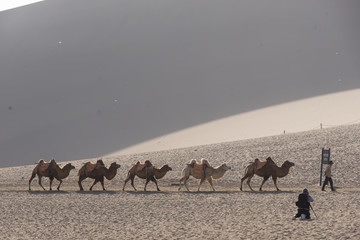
(50, 170)
(97, 172)
(270, 169)
(208, 173)
(146, 171)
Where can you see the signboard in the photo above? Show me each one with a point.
(325, 156)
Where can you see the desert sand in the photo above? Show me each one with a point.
(226, 213)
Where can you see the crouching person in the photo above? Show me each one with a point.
(303, 205)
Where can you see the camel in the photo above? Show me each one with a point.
(50, 170)
(269, 169)
(208, 173)
(97, 172)
(146, 171)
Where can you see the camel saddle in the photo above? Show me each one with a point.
(259, 164)
(90, 167)
(43, 166)
(140, 166)
(198, 168)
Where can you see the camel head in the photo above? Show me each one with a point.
(70, 166)
(225, 167)
(288, 163)
(166, 167)
(114, 165)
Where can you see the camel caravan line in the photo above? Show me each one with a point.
(202, 171)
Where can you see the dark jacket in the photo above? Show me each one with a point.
(303, 201)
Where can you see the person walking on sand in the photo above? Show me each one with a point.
(303, 205)
(328, 178)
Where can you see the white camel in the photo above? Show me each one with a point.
(203, 172)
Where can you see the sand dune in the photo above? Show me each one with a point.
(224, 214)
(114, 74)
(174, 76)
(313, 113)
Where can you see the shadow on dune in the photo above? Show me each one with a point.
(145, 193)
(47, 192)
(269, 192)
(208, 192)
(94, 192)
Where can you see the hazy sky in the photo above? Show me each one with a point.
(83, 78)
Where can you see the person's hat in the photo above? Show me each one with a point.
(305, 190)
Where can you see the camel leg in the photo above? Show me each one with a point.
(201, 181)
(242, 180)
(58, 188)
(154, 180)
(126, 180)
(132, 183)
(210, 181)
(147, 181)
(274, 179)
(102, 184)
(79, 182)
(181, 179)
(248, 182)
(51, 180)
(265, 179)
(185, 184)
(94, 182)
(31, 178)
(184, 179)
(39, 177)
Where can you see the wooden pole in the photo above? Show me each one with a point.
(321, 165)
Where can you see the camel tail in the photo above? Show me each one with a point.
(247, 168)
(128, 174)
(183, 172)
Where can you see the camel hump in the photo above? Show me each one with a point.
(205, 162)
(148, 163)
(270, 161)
(100, 162)
(192, 161)
(41, 161)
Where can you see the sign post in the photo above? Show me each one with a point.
(325, 159)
